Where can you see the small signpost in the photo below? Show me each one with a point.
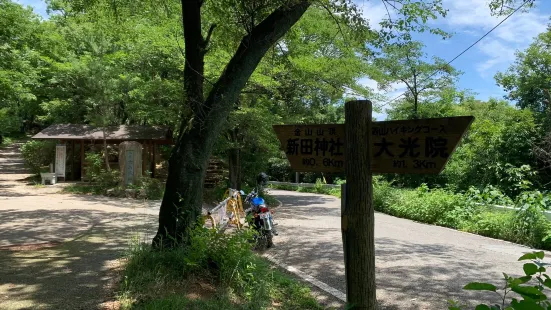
(359, 148)
(60, 160)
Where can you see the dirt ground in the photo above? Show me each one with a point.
(61, 251)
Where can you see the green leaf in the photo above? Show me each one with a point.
(528, 256)
(518, 281)
(530, 269)
(530, 292)
(540, 254)
(526, 305)
(482, 307)
(478, 286)
(547, 283)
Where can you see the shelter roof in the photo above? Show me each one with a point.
(88, 132)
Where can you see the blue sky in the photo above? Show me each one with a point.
(468, 20)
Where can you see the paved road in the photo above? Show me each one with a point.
(418, 266)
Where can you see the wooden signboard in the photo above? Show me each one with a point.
(313, 148)
(415, 146)
(406, 146)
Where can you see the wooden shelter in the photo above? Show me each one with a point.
(79, 139)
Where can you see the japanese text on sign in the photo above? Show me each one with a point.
(314, 147)
(409, 146)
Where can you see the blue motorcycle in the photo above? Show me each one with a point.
(260, 218)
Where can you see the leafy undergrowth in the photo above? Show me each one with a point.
(82, 189)
(319, 188)
(216, 271)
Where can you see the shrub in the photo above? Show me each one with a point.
(94, 166)
(38, 154)
(532, 289)
(533, 227)
(422, 204)
(157, 278)
(494, 224)
(151, 188)
(103, 179)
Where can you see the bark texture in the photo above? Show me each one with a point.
(358, 217)
(182, 200)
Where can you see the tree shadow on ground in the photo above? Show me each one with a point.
(409, 275)
(78, 274)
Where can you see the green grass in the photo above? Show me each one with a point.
(82, 189)
(315, 190)
(216, 271)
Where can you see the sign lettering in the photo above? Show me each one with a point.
(408, 146)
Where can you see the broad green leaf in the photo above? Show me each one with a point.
(540, 254)
(528, 256)
(526, 305)
(478, 286)
(530, 269)
(547, 283)
(482, 307)
(530, 292)
(518, 281)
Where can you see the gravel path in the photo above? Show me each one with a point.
(60, 251)
(418, 266)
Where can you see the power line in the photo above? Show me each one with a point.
(467, 49)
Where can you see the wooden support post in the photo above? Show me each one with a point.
(81, 159)
(358, 217)
(297, 177)
(153, 146)
(73, 166)
(144, 157)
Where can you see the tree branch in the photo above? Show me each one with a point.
(250, 52)
(387, 11)
(207, 40)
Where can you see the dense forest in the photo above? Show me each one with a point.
(124, 62)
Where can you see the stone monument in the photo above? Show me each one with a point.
(130, 162)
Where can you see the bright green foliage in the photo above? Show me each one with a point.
(528, 80)
(532, 289)
(20, 61)
(38, 155)
(223, 260)
(425, 81)
(485, 155)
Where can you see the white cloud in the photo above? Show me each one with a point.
(374, 11)
(498, 48)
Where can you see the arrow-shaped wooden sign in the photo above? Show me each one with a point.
(406, 146)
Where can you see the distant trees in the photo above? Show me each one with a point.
(424, 80)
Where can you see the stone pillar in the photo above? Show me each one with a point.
(130, 162)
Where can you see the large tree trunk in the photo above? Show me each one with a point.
(183, 196)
